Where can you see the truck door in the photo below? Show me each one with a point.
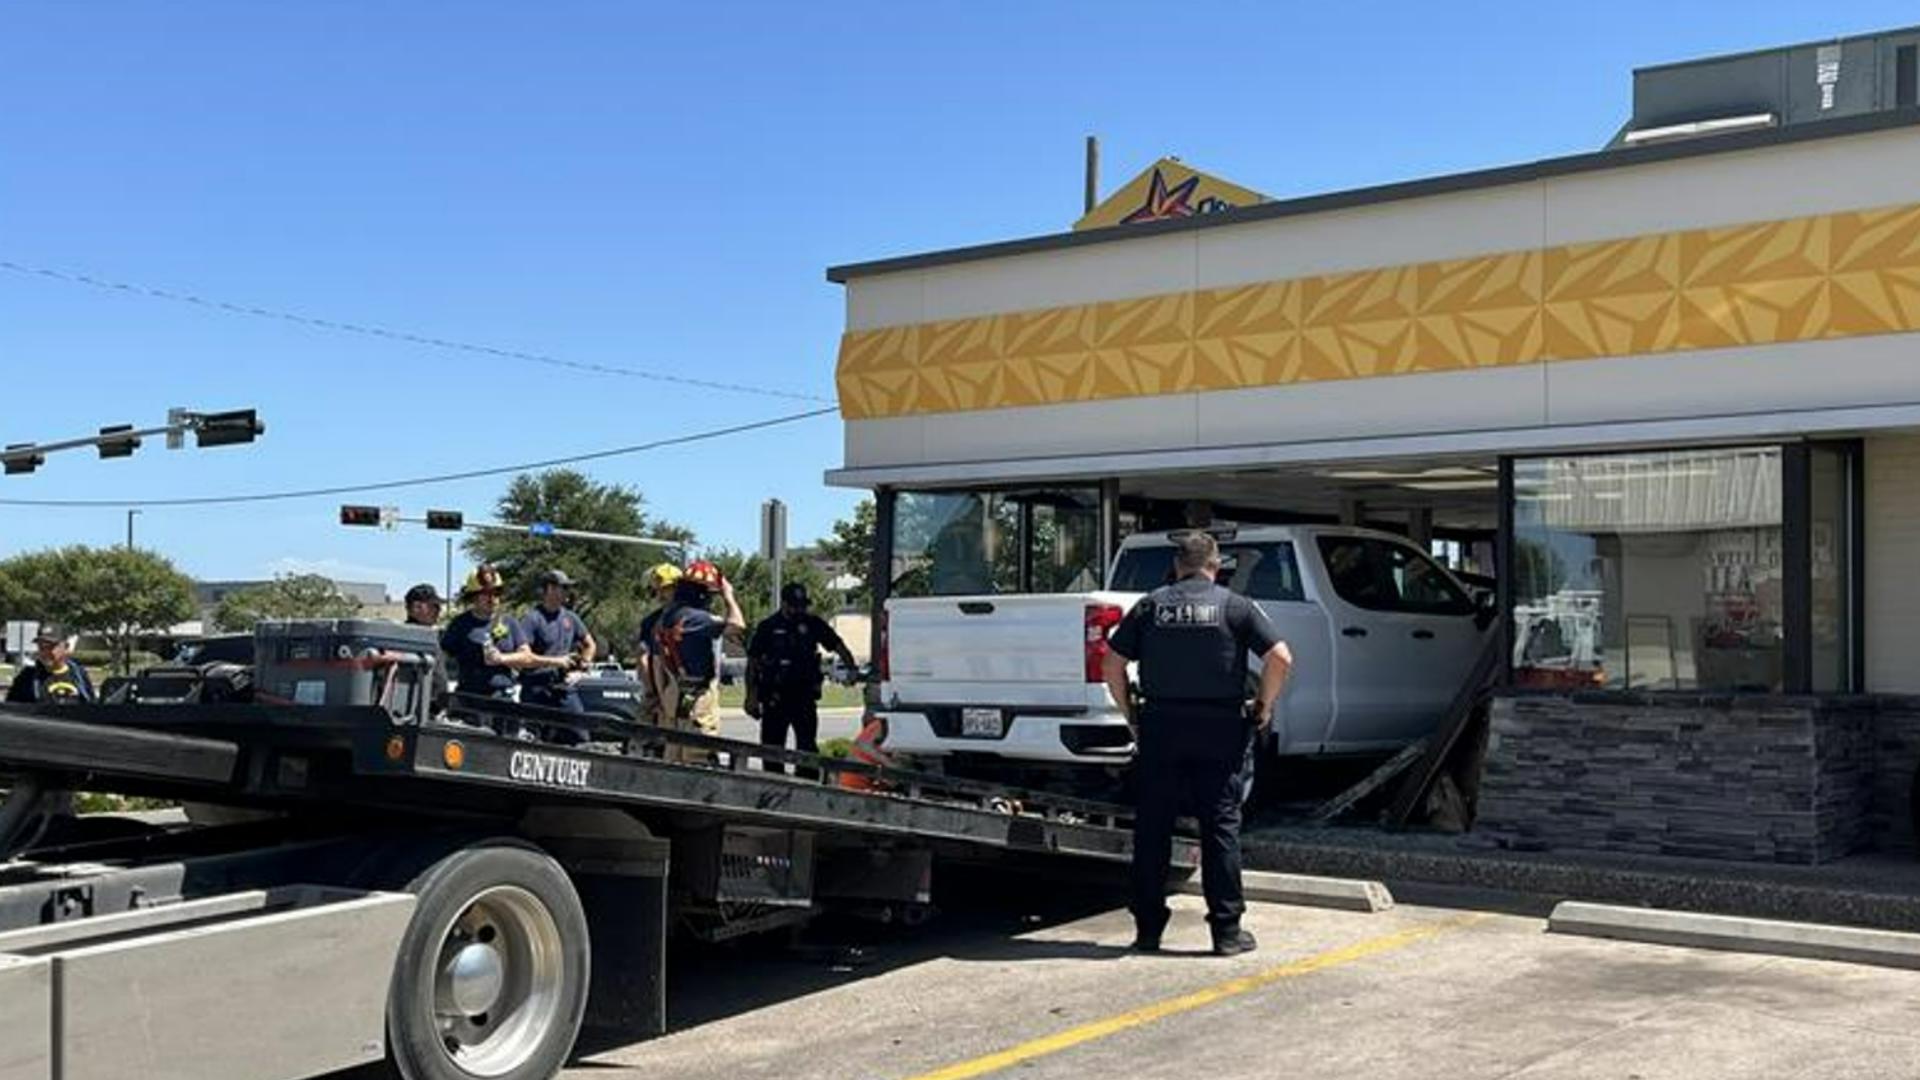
(1268, 573)
(1404, 638)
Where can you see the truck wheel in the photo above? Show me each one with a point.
(491, 977)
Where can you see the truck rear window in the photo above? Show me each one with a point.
(1256, 571)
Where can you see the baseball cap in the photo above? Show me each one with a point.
(423, 593)
(50, 632)
(557, 577)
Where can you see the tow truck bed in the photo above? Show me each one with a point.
(395, 841)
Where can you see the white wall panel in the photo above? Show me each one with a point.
(1146, 423)
(899, 440)
(1892, 534)
(1855, 172)
(1118, 271)
(1382, 406)
(1881, 370)
(887, 300)
(1384, 234)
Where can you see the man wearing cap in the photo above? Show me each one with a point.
(423, 609)
(54, 676)
(555, 632)
(783, 671)
(423, 605)
(487, 648)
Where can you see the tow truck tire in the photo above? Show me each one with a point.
(491, 977)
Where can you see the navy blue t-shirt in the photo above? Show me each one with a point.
(35, 684)
(551, 634)
(465, 643)
(684, 636)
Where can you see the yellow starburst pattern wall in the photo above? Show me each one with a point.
(1803, 279)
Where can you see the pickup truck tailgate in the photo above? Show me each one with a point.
(993, 649)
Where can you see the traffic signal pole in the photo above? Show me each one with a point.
(453, 521)
(121, 440)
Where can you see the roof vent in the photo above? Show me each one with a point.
(1697, 128)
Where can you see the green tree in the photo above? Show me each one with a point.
(851, 546)
(753, 584)
(611, 594)
(289, 596)
(113, 593)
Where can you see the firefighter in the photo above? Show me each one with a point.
(486, 646)
(54, 676)
(660, 581)
(1194, 731)
(783, 672)
(683, 643)
(554, 631)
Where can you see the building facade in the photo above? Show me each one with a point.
(1666, 394)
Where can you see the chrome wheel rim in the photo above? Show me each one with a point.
(497, 981)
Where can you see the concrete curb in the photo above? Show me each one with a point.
(1813, 941)
(1343, 893)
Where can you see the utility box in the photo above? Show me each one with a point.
(346, 662)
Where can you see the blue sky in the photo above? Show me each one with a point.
(648, 186)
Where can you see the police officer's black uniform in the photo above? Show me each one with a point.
(1191, 640)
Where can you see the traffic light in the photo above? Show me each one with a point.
(359, 515)
(446, 520)
(18, 463)
(124, 446)
(228, 428)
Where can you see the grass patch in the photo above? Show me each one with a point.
(100, 802)
(832, 696)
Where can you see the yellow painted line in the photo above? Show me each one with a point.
(1147, 1014)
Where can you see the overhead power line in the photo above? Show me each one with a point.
(397, 335)
(421, 481)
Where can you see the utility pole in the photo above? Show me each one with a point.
(448, 595)
(130, 514)
(1092, 197)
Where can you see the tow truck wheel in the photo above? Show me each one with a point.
(491, 978)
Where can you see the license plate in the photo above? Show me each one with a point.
(982, 723)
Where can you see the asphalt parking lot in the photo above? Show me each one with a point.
(1415, 992)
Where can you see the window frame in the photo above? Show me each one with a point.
(1796, 526)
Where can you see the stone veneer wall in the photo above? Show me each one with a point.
(1775, 779)
(1897, 754)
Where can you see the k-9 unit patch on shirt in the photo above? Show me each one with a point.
(1186, 614)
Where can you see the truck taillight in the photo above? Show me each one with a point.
(882, 665)
(1100, 619)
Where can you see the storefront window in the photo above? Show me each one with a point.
(1649, 571)
(959, 543)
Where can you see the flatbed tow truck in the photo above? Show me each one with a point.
(438, 896)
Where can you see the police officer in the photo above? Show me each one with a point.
(555, 632)
(783, 672)
(1194, 731)
(54, 676)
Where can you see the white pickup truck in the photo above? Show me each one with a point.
(1382, 639)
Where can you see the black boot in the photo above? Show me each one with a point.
(1233, 942)
(1147, 931)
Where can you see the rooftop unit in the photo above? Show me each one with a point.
(1796, 84)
